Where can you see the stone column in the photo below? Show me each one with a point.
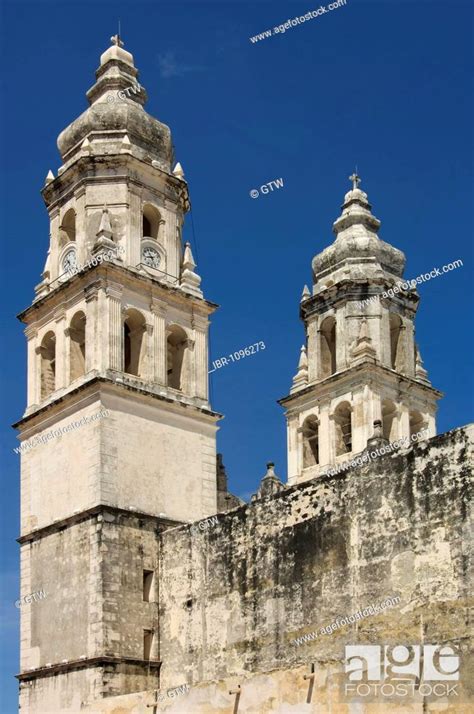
(385, 349)
(343, 325)
(200, 357)
(189, 384)
(134, 228)
(62, 350)
(81, 232)
(148, 371)
(33, 375)
(298, 438)
(403, 421)
(54, 244)
(358, 421)
(313, 349)
(318, 341)
(158, 354)
(292, 448)
(92, 306)
(67, 354)
(431, 424)
(114, 356)
(326, 449)
(401, 358)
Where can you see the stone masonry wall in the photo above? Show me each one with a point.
(233, 596)
(92, 574)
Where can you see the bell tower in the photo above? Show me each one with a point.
(118, 329)
(360, 363)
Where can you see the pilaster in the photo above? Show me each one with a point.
(200, 357)
(313, 349)
(62, 349)
(115, 325)
(158, 310)
(32, 387)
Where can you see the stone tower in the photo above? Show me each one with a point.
(118, 330)
(360, 363)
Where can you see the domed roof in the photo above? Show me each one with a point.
(356, 237)
(116, 108)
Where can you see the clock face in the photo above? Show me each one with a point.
(69, 260)
(151, 257)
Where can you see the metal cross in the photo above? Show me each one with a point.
(355, 181)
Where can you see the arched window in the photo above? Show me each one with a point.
(77, 336)
(395, 341)
(310, 442)
(389, 422)
(343, 428)
(67, 230)
(48, 364)
(134, 343)
(150, 222)
(328, 347)
(417, 423)
(175, 357)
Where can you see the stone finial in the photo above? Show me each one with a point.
(420, 371)
(221, 474)
(270, 483)
(305, 294)
(178, 171)
(190, 281)
(105, 228)
(300, 379)
(49, 177)
(363, 349)
(104, 235)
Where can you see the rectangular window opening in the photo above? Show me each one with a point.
(148, 585)
(147, 644)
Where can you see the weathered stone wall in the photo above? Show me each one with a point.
(234, 596)
(92, 573)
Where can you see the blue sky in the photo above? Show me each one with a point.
(385, 85)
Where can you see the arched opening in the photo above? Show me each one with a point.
(67, 229)
(175, 357)
(134, 343)
(343, 428)
(151, 220)
(48, 364)
(417, 423)
(310, 442)
(395, 340)
(328, 347)
(77, 336)
(389, 421)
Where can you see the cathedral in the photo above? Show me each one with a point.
(163, 591)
